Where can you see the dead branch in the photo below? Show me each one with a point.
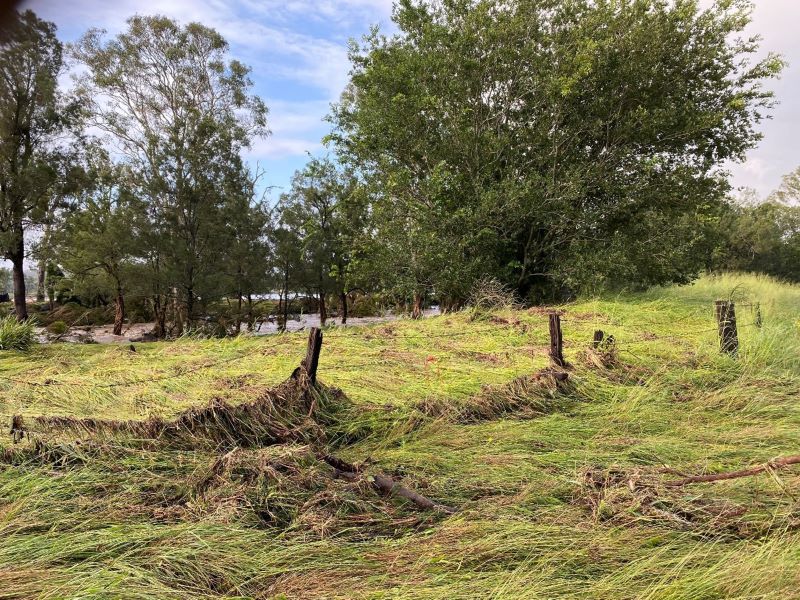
(384, 484)
(774, 464)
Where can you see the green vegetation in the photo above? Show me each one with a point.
(473, 143)
(496, 155)
(15, 335)
(563, 496)
(57, 327)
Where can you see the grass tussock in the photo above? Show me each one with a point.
(572, 503)
(16, 335)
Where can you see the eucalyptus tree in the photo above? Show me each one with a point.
(34, 118)
(556, 145)
(245, 243)
(789, 190)
(101, 241)
(326, 208)
(180, 113)
(286, 265)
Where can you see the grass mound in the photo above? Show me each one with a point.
(291, 411)
(291, 488)
(526, 396)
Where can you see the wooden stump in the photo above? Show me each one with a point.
(311, 360)
(726, 323)
(556, 341)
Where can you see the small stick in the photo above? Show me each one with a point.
(385, 484)
(776, 463)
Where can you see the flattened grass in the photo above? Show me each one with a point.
(547, 504)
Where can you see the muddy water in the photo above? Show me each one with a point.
(102, 334)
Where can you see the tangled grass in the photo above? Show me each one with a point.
(561, 491)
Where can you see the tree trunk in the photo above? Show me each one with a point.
(18, 262)
(251, 322)
(323, 313)
(285, 309)
(279, 316)
(239, 313)
(41, 281)
(416, 311)
(119, 312)
(160, 317)
(176, 313)
(343, 302)
(189, 307)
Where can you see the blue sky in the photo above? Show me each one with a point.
(297, 50)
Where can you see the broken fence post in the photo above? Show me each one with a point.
(556, 341)
(726, 323)
(311, 360)
(598, 338)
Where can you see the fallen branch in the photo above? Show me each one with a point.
(776, 463)
(384, 484)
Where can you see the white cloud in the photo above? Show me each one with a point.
(295, 117)
(274, 147)
(308, 60)
(297, 129)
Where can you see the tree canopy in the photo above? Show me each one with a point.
(556, 144)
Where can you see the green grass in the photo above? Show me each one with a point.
(15, 335)
(566, 502)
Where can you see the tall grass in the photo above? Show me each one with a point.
(567, 502)
(15, 335)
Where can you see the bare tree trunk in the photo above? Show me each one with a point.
(286, 309)
(18, 264)
(119, 312)
(343, 302)
(160, 317)
(189, 307)
(323, 313)
(176, 313)
(416, 311)
(250, 320)
(239, 312)
(279, 316)
(40, 288)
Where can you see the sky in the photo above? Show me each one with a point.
(297, 50)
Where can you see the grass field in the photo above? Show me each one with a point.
(559, 491)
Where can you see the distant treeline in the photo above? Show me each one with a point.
(556, 147)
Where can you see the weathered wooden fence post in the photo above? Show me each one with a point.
(598, 338)
(726, 323)
(758, 319)
(556, 341)
(311, 360)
